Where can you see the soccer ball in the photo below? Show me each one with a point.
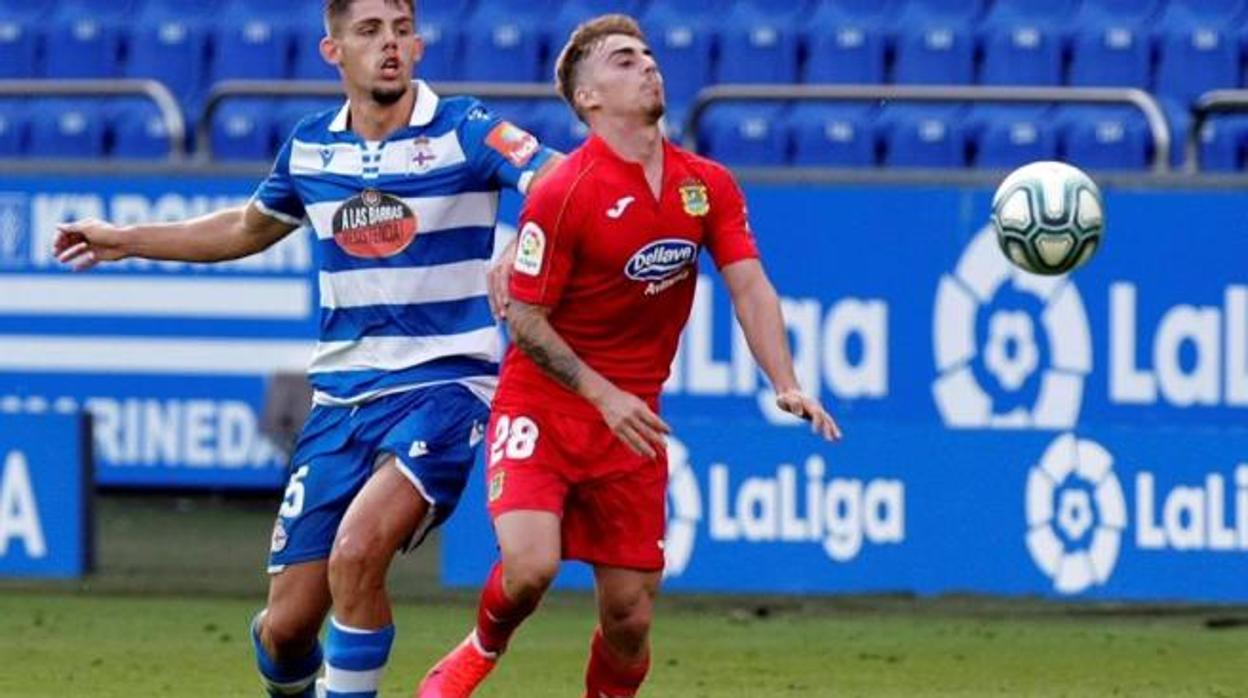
(1049, 217)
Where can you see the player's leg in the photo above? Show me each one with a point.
(379, 522)
(325, 474)
(428, 438)
(619, 653)
(525, 494)
(284, 634)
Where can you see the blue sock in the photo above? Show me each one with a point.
(354, 659)
(288, 680)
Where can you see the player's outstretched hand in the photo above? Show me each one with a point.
(798, 404)
(634, 423)
(85, 243)
(499, 277)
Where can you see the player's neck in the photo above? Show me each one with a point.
(639, 143)
(373, 122)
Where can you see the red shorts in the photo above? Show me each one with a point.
(611, 501)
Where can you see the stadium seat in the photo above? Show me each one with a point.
(832, 135)
(1104, 138)
(307, 63)
(66, 128)
(242, 129)
(744, 135)
(1198, 47)
(846, 41)
(555, 126)
(138, 131)
(1023, 42)
(683, 41)
(759, 42)
(21, 39)
(168, 42)
(285, 114)
(935, 43)
(568, 15)
(1005, 137)
(86, 39)
(250, 41)
(13, 128)
(923, 136)
(1110, 43)
(441, 25)
(1222, 144)
(504, 42)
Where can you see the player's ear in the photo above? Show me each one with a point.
(586, 99)
(418, 49)
(330, 51)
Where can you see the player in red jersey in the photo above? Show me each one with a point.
(601, 288)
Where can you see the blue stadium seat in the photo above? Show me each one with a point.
(285, 114)
(846, 41)
(66, 128)
(504, 41)
(759, 42)
(1198, 47)
(168, 42)
(138, 131)
(832, 135)
(242, 129)
(13, 128)
(683, 42)
(1222, 144)
(307, 63)
(21, 39)
(923, 136)
(250, 41)
(1110, 43)
(569, 14)
(86, 36)
(935, 44)
(1023, 42)
(1104, 138)
(441, 25)
(556, 126)
(1005, 137)
(744, 135)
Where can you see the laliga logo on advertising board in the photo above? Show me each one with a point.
(841, 514)
(1012, 348)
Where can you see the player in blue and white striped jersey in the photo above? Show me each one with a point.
(401, 190)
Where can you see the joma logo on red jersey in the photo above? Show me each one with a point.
(660, 259)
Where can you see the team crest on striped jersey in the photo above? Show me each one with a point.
(421, 156)
(694, 198)
(374, 224)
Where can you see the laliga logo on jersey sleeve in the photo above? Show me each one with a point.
(1012, 348)
(374, 224)
(662, 263)
(1075, 514)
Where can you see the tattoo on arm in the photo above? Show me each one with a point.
(532, 332)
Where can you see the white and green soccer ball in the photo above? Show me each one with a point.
(1049, 217)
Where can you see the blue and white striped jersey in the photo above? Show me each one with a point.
(405, 230)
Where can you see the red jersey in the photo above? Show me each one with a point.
(617, 267)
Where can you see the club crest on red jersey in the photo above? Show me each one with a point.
(695, 199)
(374, 224)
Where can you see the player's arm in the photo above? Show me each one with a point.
(758, 310)
(500, 272)
(630, 418)
(227, 234)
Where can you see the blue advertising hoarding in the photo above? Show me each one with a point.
(45, 485)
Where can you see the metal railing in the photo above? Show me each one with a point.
(1210, 103)
(332, 88)
(1146, 103)
(170, 112)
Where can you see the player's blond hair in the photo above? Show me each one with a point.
(585, 38)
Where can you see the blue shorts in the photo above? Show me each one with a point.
(433, 432)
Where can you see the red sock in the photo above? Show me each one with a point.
(497, 615)
(607, 675)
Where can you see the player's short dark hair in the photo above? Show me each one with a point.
(335, 9)
(585, 38)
